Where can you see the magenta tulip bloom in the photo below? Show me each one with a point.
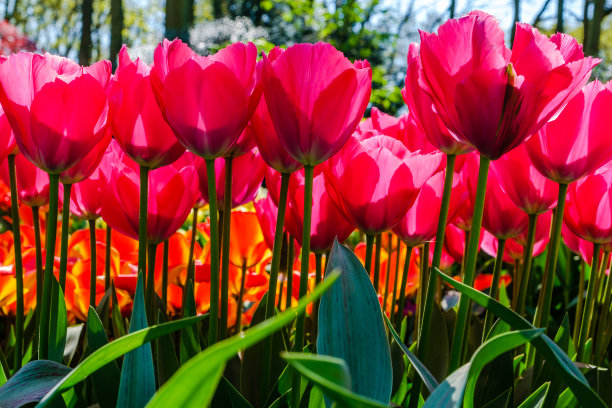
(57, 109)
(208, 101)
(316, 99)
(501, 217)
(32, 182)
(172, 194)
(493, 98)
(422, 109)
(247, 174)
(576, 142)
(135, 116)
(8, 145)
(87, 196)
(327, 223)
(524, 184)
(88, 164)
(588, 212)
(455, 242)
(267, 212)
(375, 181)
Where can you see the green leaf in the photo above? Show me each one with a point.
(73, 340)
(167, 363)
(450, 392)
(106, 379)
(548, 348)
(31, 383)
(333, 376)
(536, 400)
(438, 354)
(228, 396)
(351, 327)
(59, 323)
(137, 384)
(193, 385)
(190, 345)
(117, 319)
(428, 379)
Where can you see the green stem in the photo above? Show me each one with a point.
(395, 279)
(240, 298)
(388, 271)
(151, 252)
(39, 270)
(213, 320)
(463, 315)
(165, 276)
(142, 221)
(274, 268)
(299, 328)
(494, 292)
(190, 262)
(107, 258)
(527, 258)
(315, 309)
(43, 344)
(544, 302)
(93, 263)
(402, 294)
(605, 310)
(225, 243)
(290, 255)
(590, 300)
(368, 254)
(64, 239)
(580, 302)
(19, 312)
(377, 261)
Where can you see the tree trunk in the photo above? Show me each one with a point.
(451, 8)
(585, 27)
(595, 27)
(86, 43)
(179, 17)
(560, 22)
(517, 18)
(116, 38)
(217, 8)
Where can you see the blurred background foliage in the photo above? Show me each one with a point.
(376, 30)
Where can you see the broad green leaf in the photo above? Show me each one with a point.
(228, 396)
(137, 384)
(73, 341)
(189, 345)
(536, 400)
(438, 353)
(193, 385)
(167, 363)
(333, 376)
(428, 379)
(450, 391)
(316, 398)
(117, 319)
(548, 348)
(567, 399)
(351, 327)
(106, 379)
(31, 383)
(59, 323)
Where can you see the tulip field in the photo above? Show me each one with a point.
(246, 230)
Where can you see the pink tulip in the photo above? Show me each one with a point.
(88, 164)
(455, 241)
(493, 98)
(501, 217)
(575, 143)
(514, 248)
(375, 181)
(581, 246)
(316, 99)
(523, 183)
(208, 101)
(87, 196)
(267, 211)
(32, 183)
(8, 145)
(247, 174)
(135, 116)
(588, 212)
(464, 184)
(57, 109)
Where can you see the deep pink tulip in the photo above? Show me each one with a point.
(32, 182)
(267, 211)
(501, 217)
(581, 246)
(316, 99)
(87, 196)
(464, 184)
(57, 109)
(327, 222)
(455, 241)
(208, 101)
(523, 183)
(575, 143)
(135, 116)
(422, 109)
(514, 248)
(420, 223)
(247, 174)
(172, 194)
(375, 181)
(588, 211)
(493, 98)
(88, 164)
(8, 145)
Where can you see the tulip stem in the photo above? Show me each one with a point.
(605, 310)
(368, 254)
(240, 304)
(402, 294)
(142, 221)
(544, 302)
(190, 262)
(274, 268)
(19, 312)
(527, 257)
(299, 328)
(151, 252)
(587, 313)
(213, 320)
(423, 278)
(227, 219)
(395, 279)
(290, 256)
(463, 314)
(315, 309)
(494, 291)
(165, 276)
(107, 258)
(377, 250)
(93, 263)
(388, 271)
(580, 302)
(64, 239)
(51, 230)
(39, 270)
